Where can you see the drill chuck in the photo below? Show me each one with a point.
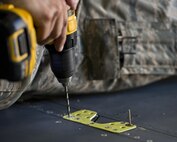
(63, 63)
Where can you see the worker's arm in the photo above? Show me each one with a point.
(50, 18)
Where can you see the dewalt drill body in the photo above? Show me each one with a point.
(18, 47)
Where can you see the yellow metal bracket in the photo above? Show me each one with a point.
(86, 116)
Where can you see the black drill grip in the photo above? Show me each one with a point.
(63, 63)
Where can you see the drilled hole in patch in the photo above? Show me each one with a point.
(107, 127)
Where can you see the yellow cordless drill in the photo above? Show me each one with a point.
(18, 47)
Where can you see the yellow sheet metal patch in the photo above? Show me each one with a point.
(86, 116)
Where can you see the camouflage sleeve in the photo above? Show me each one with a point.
(10, 91)
(126, 43)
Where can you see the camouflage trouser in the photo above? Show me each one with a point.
(10, 91)
(121, 44)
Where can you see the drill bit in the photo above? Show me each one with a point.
(67, 100)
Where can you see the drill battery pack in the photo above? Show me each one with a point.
(17, 43)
